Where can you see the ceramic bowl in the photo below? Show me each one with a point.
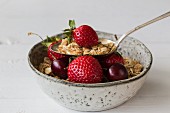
(99, 96)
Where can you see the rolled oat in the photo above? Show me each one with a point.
(74, 49)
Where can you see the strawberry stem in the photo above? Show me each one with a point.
(68, 32)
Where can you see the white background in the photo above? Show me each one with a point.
(19, 92)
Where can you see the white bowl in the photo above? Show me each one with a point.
(94, 97)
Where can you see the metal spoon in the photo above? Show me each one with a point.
(116, 43)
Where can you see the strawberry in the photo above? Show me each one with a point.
(54, 56)
(84, 35)
(85, 69)
(109, 60)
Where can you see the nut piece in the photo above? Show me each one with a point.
(48, 70)
(138, 68)
(64, 42)
(104, 50)
(93, 52)
(44, 67)
(47, 60)
(86, 51)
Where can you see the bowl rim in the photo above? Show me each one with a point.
(93, 84)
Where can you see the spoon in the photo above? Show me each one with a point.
(117, 43)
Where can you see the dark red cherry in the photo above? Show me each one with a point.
(117, 72)
(59, 68)
(108, 60)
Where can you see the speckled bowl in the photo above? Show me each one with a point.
(93, 97)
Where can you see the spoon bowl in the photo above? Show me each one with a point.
(102, 42)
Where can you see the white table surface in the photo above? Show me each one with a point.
(19, 92)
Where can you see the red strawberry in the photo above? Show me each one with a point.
(84, 35)
(85, 69)
(109, 60)
(54, 56)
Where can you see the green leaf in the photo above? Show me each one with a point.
(57, 38)
(72, 58)
(68, 36)
(72, 24)
(50, 40)
(67, 33)
(66, 30)
(69, 40)
(47, 44)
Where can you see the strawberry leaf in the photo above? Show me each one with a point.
(69, 40)
(72, 58)
(68, 34)
(72, 24)
(47, 44)
(50, 40)
(67, 30)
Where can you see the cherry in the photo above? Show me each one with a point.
(59, 61)
(108, 60)
(59, 68)
(117, 72)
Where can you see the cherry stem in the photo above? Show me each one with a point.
(30, 33)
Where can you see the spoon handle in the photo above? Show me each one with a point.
(141, 26)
